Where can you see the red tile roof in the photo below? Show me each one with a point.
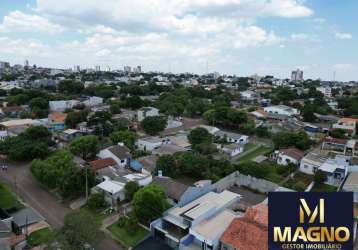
(102, 163)
(57, 117)
(293, 152)
(335, 140)
(249, 232)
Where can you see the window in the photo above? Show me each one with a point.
(122, 161)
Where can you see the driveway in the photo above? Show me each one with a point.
(21, 181)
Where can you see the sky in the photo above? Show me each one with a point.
(242, 37)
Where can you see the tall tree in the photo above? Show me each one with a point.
(85, 146)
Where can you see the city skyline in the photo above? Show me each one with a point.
(229, 36)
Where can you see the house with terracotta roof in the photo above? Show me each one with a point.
(102, 163)
(347, 124)
(249, 232)
(56, 121)
(289, 156)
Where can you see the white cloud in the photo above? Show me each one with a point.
(319, 20)
(343, 36)
(343, 67)
(18, 21)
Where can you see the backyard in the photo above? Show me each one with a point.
(127, 237)
(8, 199)
(261, 150)
(299, 182)
(323, 188)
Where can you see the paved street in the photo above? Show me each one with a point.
(21, 181)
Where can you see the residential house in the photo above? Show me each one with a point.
(249, 95)
(93, 101)
(113, 191)
(180, 139)
(208, 232)
(19, 123)
(60, 106)
(26, 218)
(147, 112)
(102, 163)
(232, 137)
(119, 153)
(231, 150)
(347, 124)
(351, 185)
(259, 114)
(282, 110)
(249, 232)
(176, 225)
(173, 188)
(212, 130)
(168, 149)
(289, 156)
(336, 168)
(5, 134)
(70, 134)
(340, 146)
(13, 111)
(148, 163)
(151, 143)
(56, 121)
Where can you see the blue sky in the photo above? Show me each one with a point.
(242, 37)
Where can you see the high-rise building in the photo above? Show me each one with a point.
(4, 65)
(127, 69)
(77, 68)
(26, 63)
(98, 68)
(297, 75)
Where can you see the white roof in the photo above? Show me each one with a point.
(204, 204)
(219, 223)
(111, 186)
(70, 131)
(19, 122)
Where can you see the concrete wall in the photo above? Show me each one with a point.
(238, 179)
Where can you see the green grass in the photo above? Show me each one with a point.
(249, 146)
(126, 238)
(40, 237)
(299, 182)
(98, 216)
(262, 150)
(323, 188)
(8, 199)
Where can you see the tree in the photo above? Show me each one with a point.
(338, 133)
(70, 87)
(97, 201)
(149, 203)
(130, 189)
(152, 125)
(31, 144)
(80, 229)
(59, 172)
(199, 135)
(320, 177)
(125, 136)
(167, 164)
(73, 118)
(85, 146)
(287, 139)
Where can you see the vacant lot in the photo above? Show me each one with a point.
(127, 239)
(262, 150)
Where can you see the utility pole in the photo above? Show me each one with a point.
(86, 185)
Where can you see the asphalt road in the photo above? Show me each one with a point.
(21, 181)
